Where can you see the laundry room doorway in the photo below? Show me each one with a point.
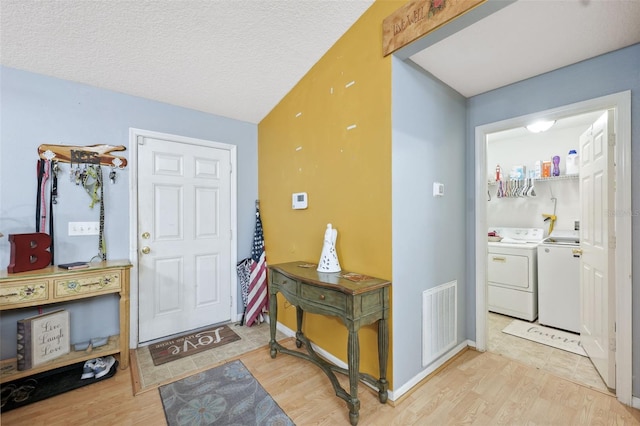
(531, 212)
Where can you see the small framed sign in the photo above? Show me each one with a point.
(42, 338)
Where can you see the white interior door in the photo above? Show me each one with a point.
(184, 236)
(597, 240)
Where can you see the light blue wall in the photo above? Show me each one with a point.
(428, 145)
(604, 75)
(36, 109)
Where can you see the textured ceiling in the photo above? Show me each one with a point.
(239, 58)
(234, 58)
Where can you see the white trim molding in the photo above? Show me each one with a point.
(395, 394)
(621, 103)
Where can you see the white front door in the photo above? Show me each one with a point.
(184, 236)
(597, 241)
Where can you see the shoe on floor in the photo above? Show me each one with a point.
(102, 366)
(87, 370)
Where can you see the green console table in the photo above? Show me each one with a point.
(356, 303)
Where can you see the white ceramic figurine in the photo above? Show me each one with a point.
(329, 257)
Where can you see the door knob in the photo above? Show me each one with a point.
(576, 251)
(146, 235)
(146, 250)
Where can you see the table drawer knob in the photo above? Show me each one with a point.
(322, 297)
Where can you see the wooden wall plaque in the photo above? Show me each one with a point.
(418, 18)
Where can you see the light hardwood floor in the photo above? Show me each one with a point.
(476, 388)
(564, 364)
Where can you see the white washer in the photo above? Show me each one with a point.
(512, 272)
(559, 281)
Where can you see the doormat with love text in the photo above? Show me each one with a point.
(191, 343)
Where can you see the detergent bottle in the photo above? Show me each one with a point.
(573, 164)
(556, 165)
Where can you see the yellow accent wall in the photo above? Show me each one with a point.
(331, 137)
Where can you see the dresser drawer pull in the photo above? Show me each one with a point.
(88, 284)
(499, 259)
(322, 297)
(9, 295)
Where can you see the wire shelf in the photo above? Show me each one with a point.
(547, 179)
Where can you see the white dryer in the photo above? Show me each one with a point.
(512, 272)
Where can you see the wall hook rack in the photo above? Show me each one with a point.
(91, 154)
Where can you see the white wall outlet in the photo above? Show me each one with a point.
(84, 228)
(438, 189)
(299, 200)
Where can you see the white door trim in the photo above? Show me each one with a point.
(622, 104)
(133, 218)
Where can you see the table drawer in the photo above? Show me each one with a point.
(24, 293)
(324, 296)
(283, 284)
(277, 278)
(87, 284)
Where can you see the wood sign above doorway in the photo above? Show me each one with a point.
(418, 18)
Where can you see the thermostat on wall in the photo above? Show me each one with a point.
(299, 201)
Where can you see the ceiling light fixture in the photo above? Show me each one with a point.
(540, 126)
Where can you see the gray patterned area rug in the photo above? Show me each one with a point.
(224, 395)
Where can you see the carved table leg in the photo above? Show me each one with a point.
(299, 315)
(353, 355)
(273, 319)
(383, 353)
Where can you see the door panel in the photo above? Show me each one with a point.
(168, 212)
(184, 193)
(167, 274)
(597, 262)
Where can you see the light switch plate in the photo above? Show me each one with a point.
(438, 189)
(84, 228)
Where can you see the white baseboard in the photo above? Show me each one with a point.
(284, 329)
(323, 353)
(398, 392)
(395, 394)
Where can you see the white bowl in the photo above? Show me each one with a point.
(495, 239)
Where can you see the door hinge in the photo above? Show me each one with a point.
(612, 139)
(231, 234)
(612, 344)
(230, 168)
(140, 140)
